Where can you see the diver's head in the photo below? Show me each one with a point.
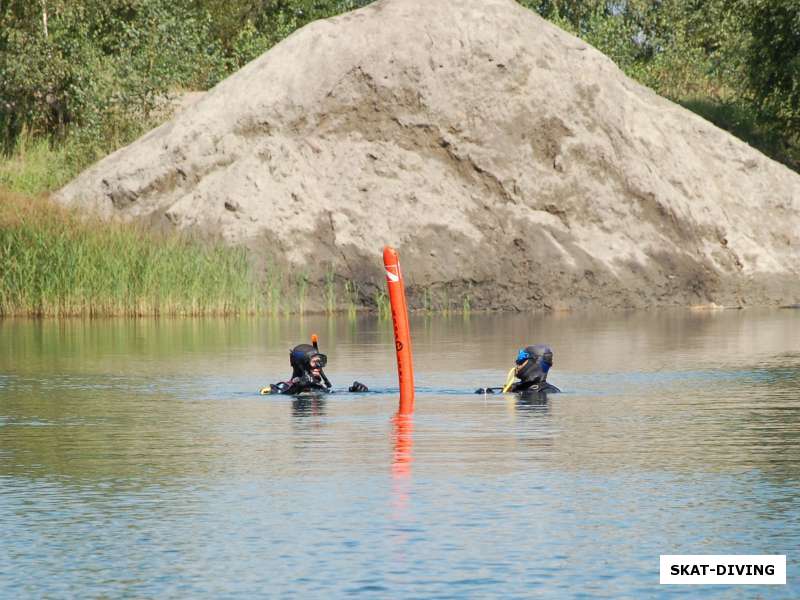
(307, 360)
(533, 363)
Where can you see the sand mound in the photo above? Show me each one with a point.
(506, 159)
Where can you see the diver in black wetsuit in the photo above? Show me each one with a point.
(532, 365)
(307, 375)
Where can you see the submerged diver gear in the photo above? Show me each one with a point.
(531, 367)
(522, 356)
(307, 364)
(536, 388)
(301, 357)
(533, 363)
(275, 388)
(318, 361)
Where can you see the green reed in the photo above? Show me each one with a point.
(466, 305)
(273, 291)
(301, 290)
(351, 296)
(329, 292)
(381, 300)
(53, 263)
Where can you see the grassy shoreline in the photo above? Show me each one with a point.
(54, 262)
(58, 262)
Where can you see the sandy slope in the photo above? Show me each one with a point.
(505, 158)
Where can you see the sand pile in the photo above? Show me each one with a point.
(507, 160)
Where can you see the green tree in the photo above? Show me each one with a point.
(99, 72)
(773, 62)
(102, 68)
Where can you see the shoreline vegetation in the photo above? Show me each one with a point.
(82, 79)
(55, 262)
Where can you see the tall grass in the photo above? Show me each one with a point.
(351, 294)
(301, 290)
(274, 291)
(330, 291)
(381, 300)
(36, 166)
(54, 263)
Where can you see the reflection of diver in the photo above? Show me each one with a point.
(532, 402)
(307, 375)
(308, 406)
(532, 365)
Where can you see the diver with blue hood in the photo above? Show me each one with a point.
(308, 377)
(530, 369)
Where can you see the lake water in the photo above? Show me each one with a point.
(138, 460)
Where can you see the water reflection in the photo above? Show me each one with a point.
(308, 406)
(123, 442)
(403, 433)
(532, 404)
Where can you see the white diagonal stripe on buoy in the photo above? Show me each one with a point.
(391, 276)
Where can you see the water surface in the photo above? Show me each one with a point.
(137, 459)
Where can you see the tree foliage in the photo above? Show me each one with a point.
(772, 58)
(101, 71)
(736, 62)
(99, 68)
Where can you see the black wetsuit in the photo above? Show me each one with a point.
(524, 387)
(307, 385)
(533, 364)
(298, 385)
(307, 378)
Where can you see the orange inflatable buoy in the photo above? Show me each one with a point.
(402, 334)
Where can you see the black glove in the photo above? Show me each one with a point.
(358, 387)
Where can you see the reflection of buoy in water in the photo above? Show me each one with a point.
(403, 445)
(402, 334)
(403, 433)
